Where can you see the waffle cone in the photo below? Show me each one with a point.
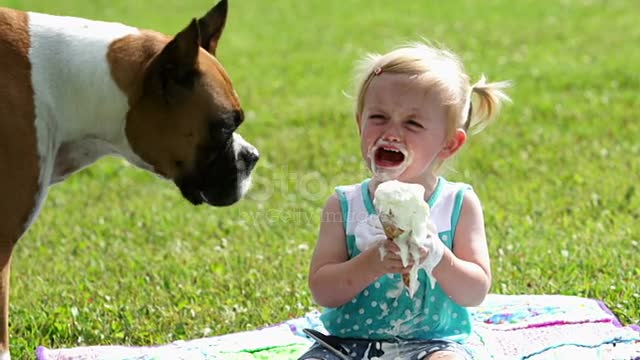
(406, 279)
(393, 232)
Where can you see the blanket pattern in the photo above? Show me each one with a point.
(538, 327)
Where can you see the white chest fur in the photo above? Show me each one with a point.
(72, 78)
(78, 105)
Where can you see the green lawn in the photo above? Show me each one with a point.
(118, 257)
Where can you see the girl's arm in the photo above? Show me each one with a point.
(334, 279)
(465, 273)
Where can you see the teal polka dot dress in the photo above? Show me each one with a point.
(384, 310)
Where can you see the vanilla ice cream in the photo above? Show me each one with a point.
(405, 217)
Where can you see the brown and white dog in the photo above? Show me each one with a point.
(73, 90)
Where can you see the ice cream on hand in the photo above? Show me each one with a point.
(404, 215)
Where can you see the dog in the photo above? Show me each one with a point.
(74, 90)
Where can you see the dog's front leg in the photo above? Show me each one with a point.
(5, 265)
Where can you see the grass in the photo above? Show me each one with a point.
(118, 257)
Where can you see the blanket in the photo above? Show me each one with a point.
(505, 327)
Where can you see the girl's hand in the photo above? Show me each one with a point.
(385, 259)
(369, 233)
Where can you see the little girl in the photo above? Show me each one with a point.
(414, 111)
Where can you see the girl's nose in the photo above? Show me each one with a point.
(392, 133)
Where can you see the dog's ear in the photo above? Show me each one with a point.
(211, 26)
(174, 69)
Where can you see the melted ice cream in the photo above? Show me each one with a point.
(403, 204)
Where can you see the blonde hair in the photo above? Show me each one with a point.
(439, 69)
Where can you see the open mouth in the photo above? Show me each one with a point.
(388, 157)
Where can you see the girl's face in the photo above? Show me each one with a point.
(403, 130)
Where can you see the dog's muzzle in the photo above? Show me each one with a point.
(225, 180)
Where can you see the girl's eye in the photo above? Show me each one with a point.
(414, 125)
(377, 118)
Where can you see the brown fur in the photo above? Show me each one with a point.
(19, 170)
(182, 114)
(129, 57)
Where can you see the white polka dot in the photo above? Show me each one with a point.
(445, 237)
(339, 320)
(426, 328)
(435, 317)
(464, 322)
(454, 315)
(369, 321)
(356, 327)
(347, 316)
(374, 304)
(457, 331)
(426, 311)
(366, 293)
(395, 304)
(407, 313)
(418, 303)
(432, 299)
(361, 311)
(353, 301)
(376, 285)
(342, 331)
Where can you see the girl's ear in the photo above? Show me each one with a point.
(453, 144)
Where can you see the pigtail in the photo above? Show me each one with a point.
(491, 97)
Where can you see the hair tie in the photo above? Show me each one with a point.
(377, 71)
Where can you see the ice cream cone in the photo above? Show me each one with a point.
(393, 232)
(406, 279)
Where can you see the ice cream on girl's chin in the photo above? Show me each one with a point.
(388, 159)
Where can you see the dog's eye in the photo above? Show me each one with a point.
(226, 123)
(238, 117)
(219, 131)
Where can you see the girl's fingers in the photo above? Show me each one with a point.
(390, 246)
(397, 266)
(406, 270)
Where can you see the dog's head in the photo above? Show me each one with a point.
(184, 122)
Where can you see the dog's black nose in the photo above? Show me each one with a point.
(250, 157)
